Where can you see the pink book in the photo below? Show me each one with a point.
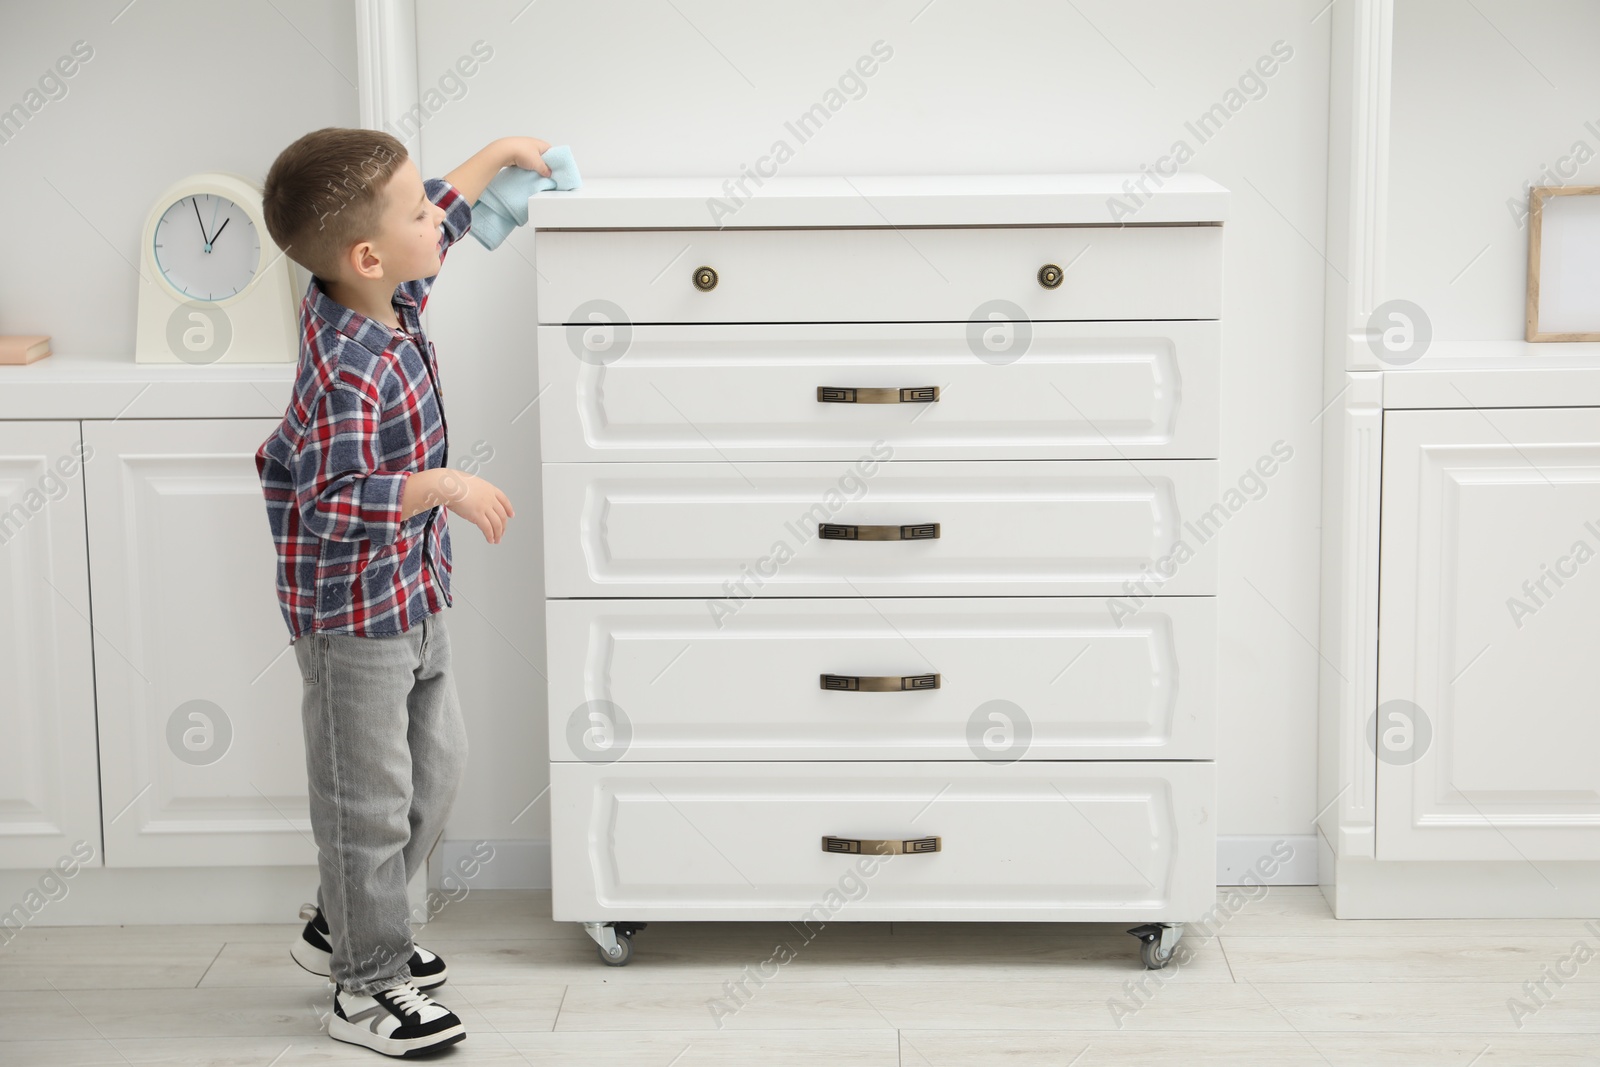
(23, 348)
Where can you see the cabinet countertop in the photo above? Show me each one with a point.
(65, 386)
(881, 200)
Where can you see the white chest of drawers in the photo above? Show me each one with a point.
(879, 576)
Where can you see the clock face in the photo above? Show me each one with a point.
(207, 247)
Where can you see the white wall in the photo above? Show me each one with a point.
(173, 87)
(639, 87)
(1483, 104)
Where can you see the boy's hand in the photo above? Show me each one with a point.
(465, 494)
(473, 176)
(479, 503)
(525, 153)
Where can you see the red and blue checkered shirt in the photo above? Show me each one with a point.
(366, 413)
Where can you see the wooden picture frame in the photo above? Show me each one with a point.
(1560, 322)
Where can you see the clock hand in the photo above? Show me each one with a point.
(224, 226)
(197, 218)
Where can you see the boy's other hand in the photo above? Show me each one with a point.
(478, 502)
(469, 496)
(525, 153)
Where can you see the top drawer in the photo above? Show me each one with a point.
(880, 274)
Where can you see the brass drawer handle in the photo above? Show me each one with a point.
(918, 531)
(912, 846)
(705, 279)
(1050, 276)
(879, 683)
(913, 394)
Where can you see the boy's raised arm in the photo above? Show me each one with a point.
(471, 177)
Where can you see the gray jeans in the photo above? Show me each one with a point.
(385, 751)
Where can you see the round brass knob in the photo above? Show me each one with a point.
(1049, 275)
(705, 279)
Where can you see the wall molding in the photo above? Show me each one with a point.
(1361, 58)
(386, 60)
(1360, 77)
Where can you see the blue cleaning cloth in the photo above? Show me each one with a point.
(504, 203)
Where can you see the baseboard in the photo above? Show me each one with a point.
(115, 896)
(512, 864)
(1270, 859)
(1443, 889)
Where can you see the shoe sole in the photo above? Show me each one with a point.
(348, 1032)
(311, 957)
(318, 962)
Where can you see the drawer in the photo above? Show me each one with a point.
(1004, 527)
(1042, 390)
(1040, 840)
(880, 274)
(1017, 678)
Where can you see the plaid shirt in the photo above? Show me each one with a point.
(366, 413)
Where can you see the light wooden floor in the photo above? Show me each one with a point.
(1282, 983)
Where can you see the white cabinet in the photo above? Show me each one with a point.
(49, 795)
(1460, 473)
(201, 754)
(866, 537)
(1489, 621)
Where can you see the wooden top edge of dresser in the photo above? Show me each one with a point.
(904, 200)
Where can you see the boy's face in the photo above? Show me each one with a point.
(407, 244)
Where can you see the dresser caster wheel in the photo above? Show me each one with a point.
(623, 950)
(1154, 958)
(614, 941)
(1158, 943)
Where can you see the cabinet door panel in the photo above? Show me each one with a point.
(1489, 617)
(202, 753)
(49, 792)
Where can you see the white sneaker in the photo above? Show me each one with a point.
(400, 1021)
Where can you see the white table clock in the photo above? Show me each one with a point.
(214, 288)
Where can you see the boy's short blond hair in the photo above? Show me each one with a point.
(325, 192)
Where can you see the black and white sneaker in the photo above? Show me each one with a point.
(313, 951)
(401, 1021)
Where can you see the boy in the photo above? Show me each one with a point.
(357, 493)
